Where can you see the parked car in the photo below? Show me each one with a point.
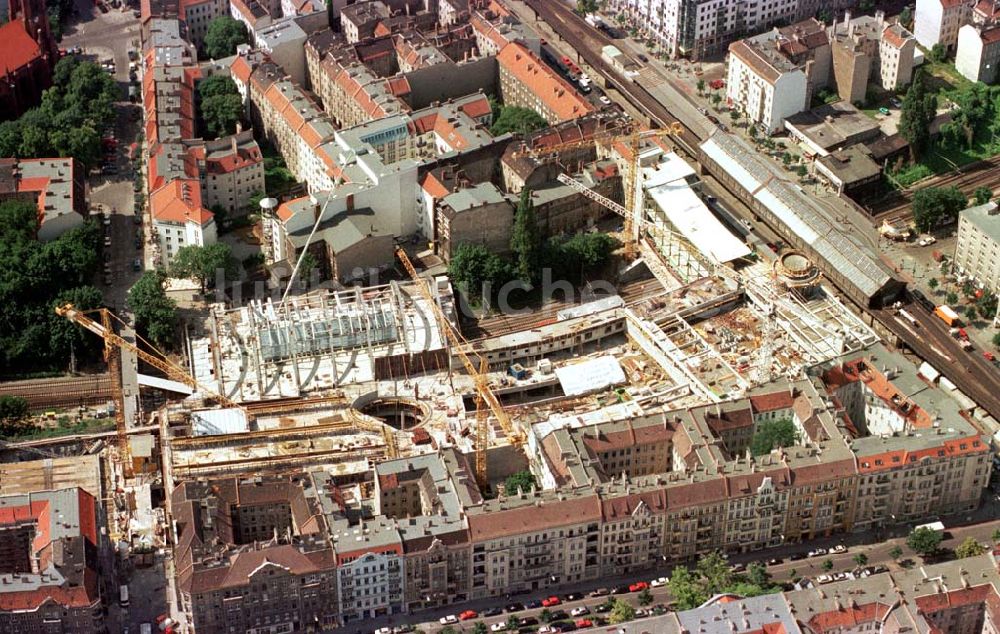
(580, 611)
(926, 241)
(551, 601)
(659, 581)
(574, 596)
(532, 604)
(824, 579)
(514, 607)
(492, 612)
(451, 619)
(468, 615)
(602, 608)
(738, 567)
(528, 621)
(498, 627)
(838, 549)
(895, 102)
(817, 552)
(774, 561)
(600, 592)
(622, 589)
(604, 100)
(638, 586)
(642, 57)
(797, 556)
(584, 623)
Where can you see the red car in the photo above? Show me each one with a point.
(551, 601)
(582, 623)
(468, 615)
(638, 586)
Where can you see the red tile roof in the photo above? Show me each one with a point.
(551, 89)
(540, 516)
(179, 201)
(477, 108)
(434, 187)
(17, 49)
(241, 69)
(848, 617)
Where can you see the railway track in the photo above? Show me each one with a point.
(587, 43)
(968, 178)
(61, 392)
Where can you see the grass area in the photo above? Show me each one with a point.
(941, 77)
(910, 175)
(64, 427)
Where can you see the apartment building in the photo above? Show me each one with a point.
(978, 53)
(477, 214)
(700, 28)
(231, 171)
(938, 22)
(763, 83)
(358, 21)
(526, 81)
(494, 27)
(56, 186)
(179, 215)
(197, 14)
(977, 251)
(50, 546)
(250, 557)
(867, 49)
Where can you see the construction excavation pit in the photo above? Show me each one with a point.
(399, 413)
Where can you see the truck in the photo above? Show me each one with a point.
(947, 315)
(594, 20)
(908, 317)
(123, 595)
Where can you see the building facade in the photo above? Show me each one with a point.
(28, 54)
(938, 22)
(978, 53)
(977, 250)
(764, 85)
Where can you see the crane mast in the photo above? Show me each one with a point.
(476, 368)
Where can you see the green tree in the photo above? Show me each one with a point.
(66, 335)
(221, 113)
(205, 264)
(801, 170)
(583, 7)
(982, 195)
(645, 597)
(686, 590)
(447, 629)
(973, 110)
(938, 53)
(716, 99)
(517, 120)
(924, 541)
(996, 340)
(701, 86)
(155, 313)
(916, 115)
(895, 552)
(933, 206)
(933, 283)
(906, 17)
(752, 131)
(480, 628)
(734, 116)
(473, 265)
(523, 480)
(621, 612)
(828, 564)
(951, 298)
(773, 434)
(786, 158)
(758, 575)
(545, 616)
(860, 560)
(996, 535)
(714, 570)
(224, 34)
(513, 623)
(986, 304)
(525, 240)
(14, 416)
(969, 548)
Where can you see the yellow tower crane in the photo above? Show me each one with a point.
(631, 211)
(478, 369)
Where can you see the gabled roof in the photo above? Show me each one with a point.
(554, 91)
(179, 201)
(17, 49)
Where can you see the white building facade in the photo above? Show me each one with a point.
(978, 53)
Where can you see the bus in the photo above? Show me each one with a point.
(123, 595)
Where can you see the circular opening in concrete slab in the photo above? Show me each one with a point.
(399, 413)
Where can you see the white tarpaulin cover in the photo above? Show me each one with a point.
(590, 376)
(689, 216)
